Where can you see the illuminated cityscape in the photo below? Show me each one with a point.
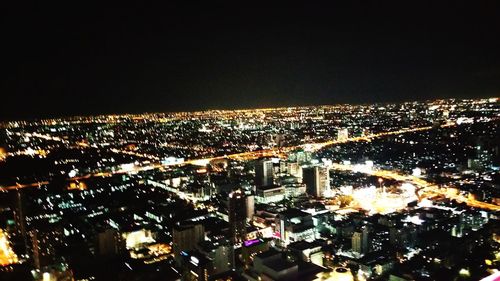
(250, 141)
(342, 192)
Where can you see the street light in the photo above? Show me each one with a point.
(380, 181)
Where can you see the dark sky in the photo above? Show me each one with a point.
(79, 59)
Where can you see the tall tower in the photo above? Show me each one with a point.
(20, 219)
(185, 238)
(250, 206)
(361, 241)
(342, 134)
(237, 216)
(264, 173)
(317, 180)
(45, 242)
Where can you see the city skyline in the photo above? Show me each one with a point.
(249, 109)
(230, 141)
(349, 192)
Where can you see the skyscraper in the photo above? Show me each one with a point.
(186, 237)
(250, 206)
(294, 169)
(20, 218)
(317, 180)
(237, 216)
(109, 242)
(360, 241)
(342, 134)
(221, 253)
(45, 241)
(264, 173)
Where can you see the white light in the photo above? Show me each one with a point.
(72, 173)
(194, 260)
(417, 172)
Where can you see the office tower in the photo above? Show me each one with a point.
(343, 134)
(356, 242)
(45, 242)
(361, 241)
(221, 253)
(264, 173)
(270, 194)
(317, 180)
(20, 219)
(471, 220)
(403, 236)
(295, 225)
(109, 242)
(294, 169)
(237, 216)
(195, 266)
(250, 206)
(185, 238)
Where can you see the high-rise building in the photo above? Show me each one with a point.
(403, 236)
(342, 134)
(269, 194)
(195, 266)
(221, 253)
(237, 216)
(317, 180)
(20, 218)
(295, 225)
(361, 241)
(294, 169)
(264, 173)
(185, 238)
(356, 242)
(109, 242)
(45, 242)
(250, 206)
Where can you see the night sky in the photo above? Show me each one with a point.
(62, 60)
